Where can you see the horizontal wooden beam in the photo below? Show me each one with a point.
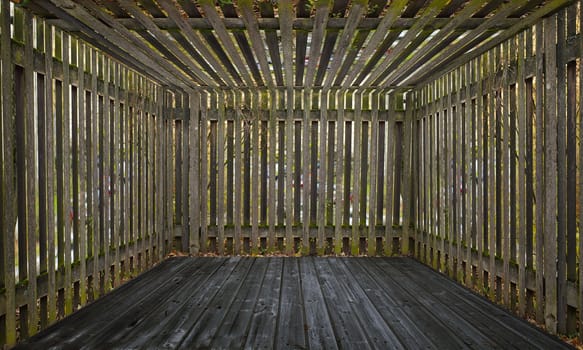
(306, 24)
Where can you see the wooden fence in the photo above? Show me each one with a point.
(82, 142)
(497, 170)
(259, 178)
(104, 172)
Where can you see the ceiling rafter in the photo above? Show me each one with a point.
(318, 45)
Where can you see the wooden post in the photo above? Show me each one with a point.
(322, 171)
(221, 173)
(186, 125)
(540, 176)
(357, 168)
(373, 174)
(407, 198)
(390, 164)
(306, 170)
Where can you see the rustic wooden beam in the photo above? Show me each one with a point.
(322, 10)
(456, 60)
(256, 41)
(354, 18)
(221, 31)
(382, 29)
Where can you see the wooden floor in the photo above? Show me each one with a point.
(232, 303)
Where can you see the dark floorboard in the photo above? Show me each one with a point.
(291, 303)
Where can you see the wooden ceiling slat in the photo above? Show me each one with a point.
(338, 10)
(132, 9)
(285, 8)
(188, 44)
(461, 46)
(428, 15)
(180, 39)
(322, 11)
(375, 9)
(356, 12)
(393, 12)
(78, 14)
(213, 16)
(422, 37)
(303, 10)
(307, 24)
(229, 11)
(457, 61)
(266, 9)
(256, 41)
(422, 55)
(173, 13)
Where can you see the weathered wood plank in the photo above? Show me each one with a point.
(252, 27)
(580, 265)
(559, 89)
(571, 190)
(233, 328)
(550, 181)
(540, 171)
(289, 244)
(340, 164)
(348, 330)
(522, 174)
(195, 183)
(378, 36)
(262, 327)
(221, 174)
(255, 200)
(8, 179)
(272, 211)
(204, 177)
(389, 196)
(238, 167)
(322, 171)
(357, 173)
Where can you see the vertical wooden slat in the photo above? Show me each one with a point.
(550, 181)
(288, 165)
(479, 122)
(339, 194)
(263, 165)
(364, 164)
(540, 185)
(330, 169)
(580, 177)
(571, 153)
(322, 178)
(117, 175)
(221, 174)
(194, 174)
(407, 199)
(170, 154)
(186, 124)
(450, 131)
(151, 168)
(159, 176)
(83, 113)
(357, 173)
(255, 200)
(238, 166)
(203, 173)
(42, 171)
(31, 190)
(373, 174)
(469, 148)
(560, 90)
(306, 165)
(390, 176)
(505, 175)
(8, 220)
(67, 172)
(272, 162)
(230, 161)
(521, 182)
(492, 179)
(297, 170)
(95, 176)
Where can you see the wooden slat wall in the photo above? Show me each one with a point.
(508, 159)
(78, 152)
(298, 209)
